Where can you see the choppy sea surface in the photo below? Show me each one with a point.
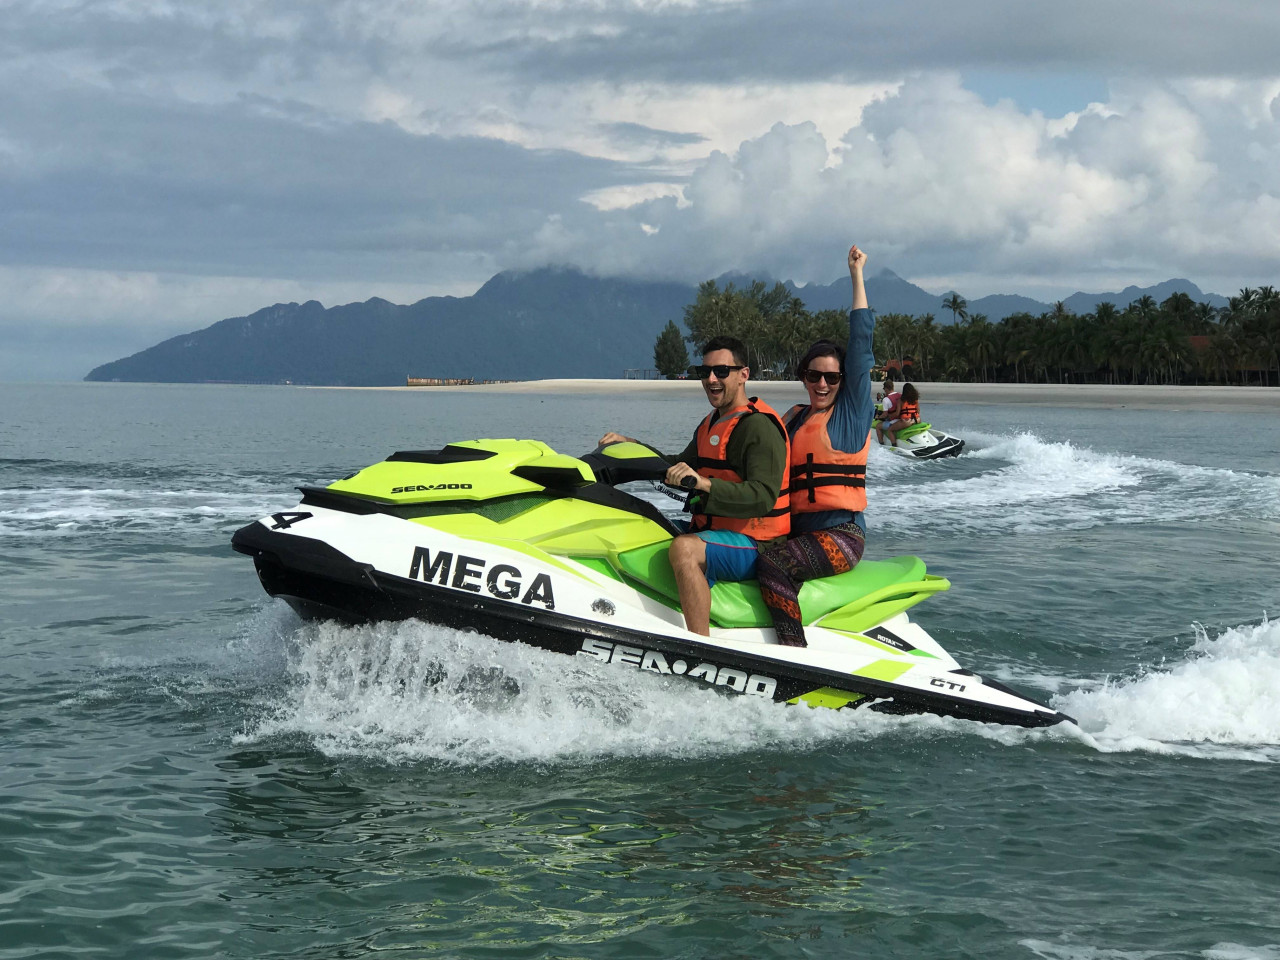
(190, 771)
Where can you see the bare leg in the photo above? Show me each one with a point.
(688, 555)
(880, 431)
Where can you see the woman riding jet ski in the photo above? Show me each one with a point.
(827, 487)
(899, 418)
(524, 544)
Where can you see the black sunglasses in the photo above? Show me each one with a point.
(832, 377)
(721, 370)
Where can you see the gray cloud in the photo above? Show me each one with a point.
(164, 166)
(1164, 182)
(295, 41)
(766, 40)
(639, 134)
(120, 182)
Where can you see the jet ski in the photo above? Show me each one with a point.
(923, 442)
(517, 541)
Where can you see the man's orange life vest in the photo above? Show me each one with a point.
(822, 477)
(908, 410)
(713, 445)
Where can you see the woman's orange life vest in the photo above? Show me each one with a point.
(908, 410)
(713, 445)
(822, 477)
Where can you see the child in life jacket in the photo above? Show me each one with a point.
(887, 401)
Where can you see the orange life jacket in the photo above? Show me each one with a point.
(822, 477)
(713, 445)
(908, 411)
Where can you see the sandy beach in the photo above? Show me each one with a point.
(1141, 397)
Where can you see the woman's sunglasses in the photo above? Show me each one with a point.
(721, 370)
(832, 377)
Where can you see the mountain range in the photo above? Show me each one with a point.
(538, 324)
(889, 293)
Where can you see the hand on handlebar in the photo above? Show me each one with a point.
(612, 437)
(684, 476)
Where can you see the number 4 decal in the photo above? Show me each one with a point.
(283, 521)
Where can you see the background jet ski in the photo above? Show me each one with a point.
(923, 442)
(524, 544)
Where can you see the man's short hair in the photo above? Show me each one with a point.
(732, 344)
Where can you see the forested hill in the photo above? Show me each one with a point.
(519, 326)
(542, 324)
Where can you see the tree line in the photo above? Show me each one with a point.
(1178, 341)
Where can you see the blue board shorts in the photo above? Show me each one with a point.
(730, 556)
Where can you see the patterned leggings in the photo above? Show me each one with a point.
(781, 570)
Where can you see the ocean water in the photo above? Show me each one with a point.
(190, 771)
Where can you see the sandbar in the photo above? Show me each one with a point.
(777, 392)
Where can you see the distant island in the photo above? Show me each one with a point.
(538, 324)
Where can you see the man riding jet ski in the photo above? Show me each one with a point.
(524, 544)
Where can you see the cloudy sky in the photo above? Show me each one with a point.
(168, 163)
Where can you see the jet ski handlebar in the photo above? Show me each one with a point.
(625, 461)
(629, 460)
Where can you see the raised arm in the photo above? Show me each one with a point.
(857, 259)
(853, 410)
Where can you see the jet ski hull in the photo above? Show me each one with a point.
(929, 444)
(605, 621)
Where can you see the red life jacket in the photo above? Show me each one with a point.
(713, 445)
(822, 477)
(894, 399)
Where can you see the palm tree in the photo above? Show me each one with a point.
(1018, 342)
(956, 304)
(1223, 355)
(983, 343)
(1144, 306)
(922, 337)
(1179, 306)
(891, 335)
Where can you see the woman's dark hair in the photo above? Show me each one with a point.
(910, 393)
(822, 348)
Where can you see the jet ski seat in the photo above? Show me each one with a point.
(871, 585)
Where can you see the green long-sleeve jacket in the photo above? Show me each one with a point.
(758, 453)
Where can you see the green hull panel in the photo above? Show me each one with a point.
(873, 585)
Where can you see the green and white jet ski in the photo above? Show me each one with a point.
(922, 441)
(519, 542)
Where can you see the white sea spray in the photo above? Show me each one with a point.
(414, 691)
(1221, 700)
(1036, 485)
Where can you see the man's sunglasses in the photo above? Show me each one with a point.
(832, 377)
(721, 370)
